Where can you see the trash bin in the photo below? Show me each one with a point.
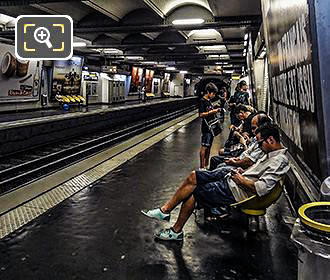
(311, 234)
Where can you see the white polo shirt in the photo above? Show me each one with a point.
(266, 172)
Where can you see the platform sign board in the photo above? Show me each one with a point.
(19, 79)
(291, 78)
(67, 76)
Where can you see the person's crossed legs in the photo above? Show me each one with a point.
(210, 188)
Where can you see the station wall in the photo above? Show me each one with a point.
(292, 78)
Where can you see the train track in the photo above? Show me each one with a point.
(26, 167)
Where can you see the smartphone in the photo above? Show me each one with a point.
(233, 171)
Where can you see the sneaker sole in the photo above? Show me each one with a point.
(166, 219)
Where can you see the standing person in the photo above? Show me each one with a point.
(207, 113)
(241, 96)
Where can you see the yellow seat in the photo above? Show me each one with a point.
(256, 205)
(150, 95)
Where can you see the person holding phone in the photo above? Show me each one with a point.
(207, 113)
(211, 189)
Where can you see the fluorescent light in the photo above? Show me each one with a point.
(170, 68)
(149, 62)
(79, 44)
(245, 43)
(188, 21)
(203, 32)
(214, 48)
(112, 51)
(134, 57)
(183, 72)
(244, 54)
(246, 37)
(228, 71)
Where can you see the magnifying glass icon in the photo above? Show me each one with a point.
(42, 35)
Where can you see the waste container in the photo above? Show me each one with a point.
(311, 234)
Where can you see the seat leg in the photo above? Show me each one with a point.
(253, 223)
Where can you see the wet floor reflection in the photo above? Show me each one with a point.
(100, 233)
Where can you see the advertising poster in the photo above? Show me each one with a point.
(67, 76)
(19, 79)
(166, 83)
(288, 39)
(137, 74)
(149, 77)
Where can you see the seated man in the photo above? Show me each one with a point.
(249, 156)
(239, 137)
(211, 189)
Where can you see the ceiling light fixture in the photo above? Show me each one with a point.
(203, 32)
(183, 72)
(134, 57)
(79, 44)
(170, 68)
(246, 37)
(149, 62)
(188, 21)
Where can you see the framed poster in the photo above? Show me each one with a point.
(67, 77)
(20, 79)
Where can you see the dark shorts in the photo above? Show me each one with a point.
(207, 139)
(212, 189)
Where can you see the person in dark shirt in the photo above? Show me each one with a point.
(241, 96)
(207, 113)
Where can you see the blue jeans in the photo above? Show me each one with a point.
(212, 188)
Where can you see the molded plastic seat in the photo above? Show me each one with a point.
(150, 95)
(256, 205)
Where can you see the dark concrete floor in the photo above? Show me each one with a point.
(100, 233)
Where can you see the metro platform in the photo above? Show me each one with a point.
(99, 233)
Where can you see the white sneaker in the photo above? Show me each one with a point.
(169, 234)
(156, 214)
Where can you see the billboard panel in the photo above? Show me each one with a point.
(291, 78)
(67, 76)
(19, 79)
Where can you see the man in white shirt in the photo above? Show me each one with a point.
(250, 155)
(226, 188)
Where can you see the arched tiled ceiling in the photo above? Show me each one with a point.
(96, 19)
(167, 6)
(133, 38)
(229, 8)
(116, 9)
(141, 16)
(172, 36)
(103, 39)
(189, 12)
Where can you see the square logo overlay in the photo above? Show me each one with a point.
(44, 37)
